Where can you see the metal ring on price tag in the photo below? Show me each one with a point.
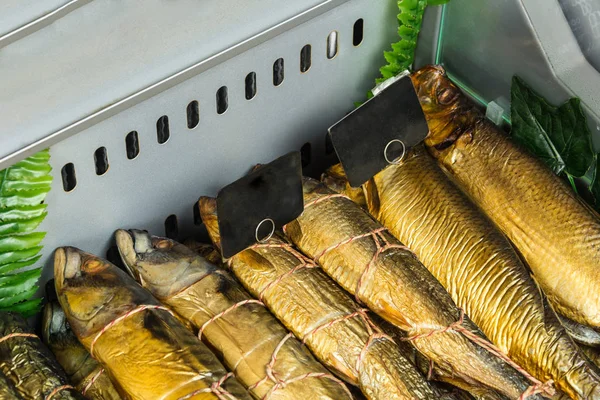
(270, 235)
(398, 160)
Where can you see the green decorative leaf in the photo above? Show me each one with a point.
(402, 55)
(26, 308)
(23, 189)
(557, 135)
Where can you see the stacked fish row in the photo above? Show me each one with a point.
(420, 257)
(27, 368)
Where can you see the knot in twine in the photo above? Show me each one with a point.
(377, 234)
(537, 386)
(31, 335)
(216, 388)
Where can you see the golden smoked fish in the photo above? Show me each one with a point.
(556, 233)
(29, 365)
(85, 373)
(366, 260)
(477, 265)
(7, 389)
(147, 351)
(242, 332)
(320, 313)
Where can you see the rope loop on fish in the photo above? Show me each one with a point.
(92, 381)
(537, 388)
(216, 388)
(280, 383)
(546, 388)
(58, 390)
(383, 245)
(378, 237)
(305, 262)
(325, 198)
(221, 314)
(124, 316)
(31, 335)
(18, 334)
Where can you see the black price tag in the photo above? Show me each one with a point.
(380, 131)
(253, 207)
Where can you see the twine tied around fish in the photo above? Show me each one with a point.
(56, 390)
(270, 373)
(537, 387)
(215, 388)
(92, 381)
(305, 262)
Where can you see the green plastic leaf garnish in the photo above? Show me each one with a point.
(559, 136)
(23, 189)
(402, 55)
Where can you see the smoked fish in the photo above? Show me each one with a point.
(477, 265)
(29, 365)
(240, 330)
(85, 373)
(146, 350)
(557, 234)
(322, 315)
(7, 389)
(365, 259)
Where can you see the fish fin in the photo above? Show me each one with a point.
(550, 314)
(293, 230)
(256, 167)
(205, 250)
(208, 213)
(335, 179)
(372, 197)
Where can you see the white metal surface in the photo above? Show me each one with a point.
(167, 179)
(106, 55)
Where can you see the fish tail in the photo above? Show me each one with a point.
(581, 382)
(208, 213)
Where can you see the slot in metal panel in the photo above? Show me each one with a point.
(167, 179)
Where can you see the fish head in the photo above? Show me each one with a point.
(92, 291)
(447, 111)
(55, 328)
(161, 265)
(58, 336)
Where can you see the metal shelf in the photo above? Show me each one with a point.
(104, 56)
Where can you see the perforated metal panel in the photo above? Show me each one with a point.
(165, 179)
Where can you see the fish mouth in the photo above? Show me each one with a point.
(54, 320)
(67, 265)
(130, 243)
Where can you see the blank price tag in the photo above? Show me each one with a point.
(253, 207)
(381, 131)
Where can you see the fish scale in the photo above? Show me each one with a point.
(29, 365)
(399, 289)
(147, 351)
(557, 234)
(239, 328)
(478, 267)
(325, 317)
(86, 374)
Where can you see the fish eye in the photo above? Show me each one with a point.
(446, 95)
(164, 245)
(91, 265)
